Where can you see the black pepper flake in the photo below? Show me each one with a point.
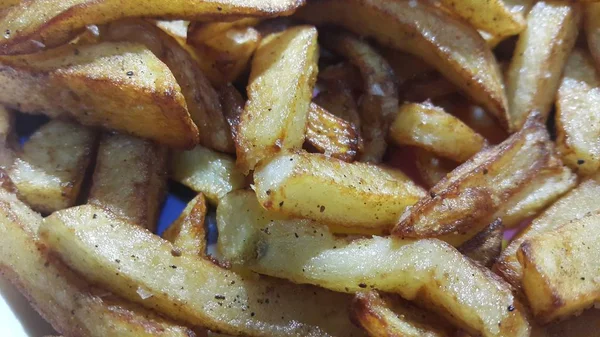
(174, 266)
(118, 261)
(281, 204)
(219, 9)
(296, 235)
(431, 194)
(94, 216)
(485, 171)
(252, 314)
(130, 73)
(268, 192)
(362, 285)
(322, 209)
(511, 307)
(580, 162)
(583, 278)
(219, 297)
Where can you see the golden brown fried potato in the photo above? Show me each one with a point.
(49, 170)
(7, 138)
(280, 87)
(233, 106)
(187, 233)
(387, 315)
(69, 304)
(406, 66)
(485, 247)
(199, 32)
(574, 205)
(457, 51)
(431, 128)
(430, 272)
(379, 102)
(331, 135)
(205, 171)
(340, 103)
(143, 268)
(592, 30)
(561, 269)
(201, 98)
(130, 179)
(540, 55)
(120, 86)
(26, 32)
(352, 195)
(428, 86)
(578, 114)
(431, 168)
(341, 76)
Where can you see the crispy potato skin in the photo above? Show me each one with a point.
(187, 232)
(189, 288)
(452, 46)
(90, 83)
(62, 20)
(485, 247)
(130, 178)
(332, 135)
(69, 304)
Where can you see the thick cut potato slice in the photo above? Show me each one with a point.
(485, 247)
(130, 179)
(187, 233)
(561, 269)
(201, 98)
(539, 58)
(26, 31)
(574, 205)
(461, 204)
(430, 272)
(205, 171)
(385, 315)
(69, 304)
(120, 86)
(578, 114)
(431, 168)
(132, 261)
(379, 102)
(199, 32)
(7, 138)
(331, 135)
(431, 128)
(284, 71)
(453, 47)
(352, 195)
(51, 166)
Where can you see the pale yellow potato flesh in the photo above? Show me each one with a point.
(332, 135)
(70, 305)
(578, 114)
(188, 288)
(430, 272)
(34, 25)
(187, 232)
(199, 32)
(130, 178)
(121, 86)
(351, 195)
(49, 170)
(283, 73)
(429, 127)
(445, 42)
(206, 171)
(561, 269)
(540, 55)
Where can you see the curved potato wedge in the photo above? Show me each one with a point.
(578, 114)
(340, 103)
(539, 58)
(199, 32)
(132, 261)
(187, 232)
(331, 135)
(453, 47)
(25, 31)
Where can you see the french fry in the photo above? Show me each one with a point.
(486, 246)
(50, 169)
(340, 103)
(69, 304)
(189, 288)
(458, 51)
(199, 32)
(406, 67)
(233, 106)
(340, 77)
(282, 77)
(428, 86)
(187, 233)
(130, 179)
(331, 135)
(431, 168)
(7, 138)
(539, 58)
(352, 195)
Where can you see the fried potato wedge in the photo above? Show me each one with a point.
(120, 86)
(352, 195)
(331, 135)
(431, 168)
(578, 114)
(429, 86)
(574, 205)
(453, 47)
(69, 304)
(341, 76)
(130, 179)
(341, 104)
(385, 315)
(539, 58)
(188, 288)
(7, 138)
(201, 98)
(187, 232)
(284, 71)
(431, 128)
(205, 171)
(199, 32)
(461, 204)
(406, 66)
(426, 271)
(485, 247)
(379, 102)
(50, 169)
(62, 20)
(561, 269)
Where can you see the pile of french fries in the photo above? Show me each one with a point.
(365, 160)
